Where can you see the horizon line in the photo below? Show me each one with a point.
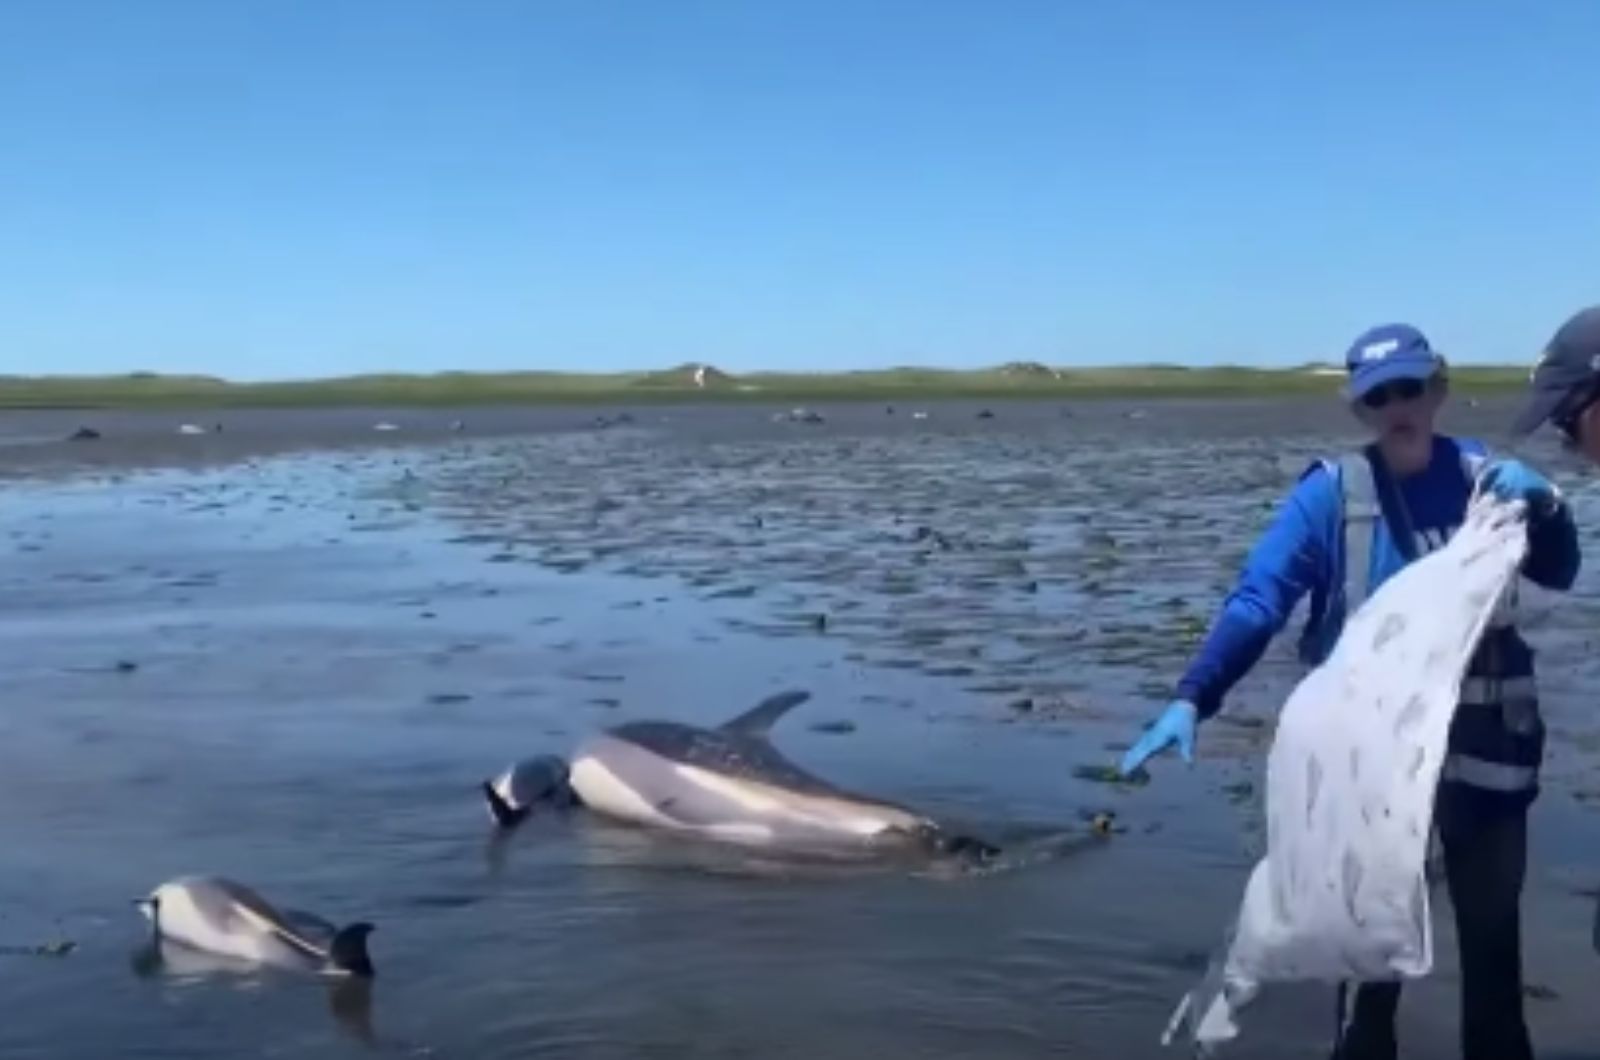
(691, 368)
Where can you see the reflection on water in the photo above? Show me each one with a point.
(178, 967)
(287, 674)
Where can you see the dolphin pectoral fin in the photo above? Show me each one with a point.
(307, 924)
(505, 815)
(267, 925)
(289, 937)
(348, 951)
(280, 929)
(759, 719)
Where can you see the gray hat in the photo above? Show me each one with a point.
(1567, 373)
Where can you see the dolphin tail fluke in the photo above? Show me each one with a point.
(759, 719)
(348, 951)
(505, 815)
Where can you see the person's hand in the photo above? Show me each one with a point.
(1513, 480)
(1176, 725)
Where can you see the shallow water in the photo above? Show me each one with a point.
(328, 653)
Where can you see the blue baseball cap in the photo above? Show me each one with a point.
(1385, 353)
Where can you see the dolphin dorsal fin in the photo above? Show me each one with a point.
(759, 719)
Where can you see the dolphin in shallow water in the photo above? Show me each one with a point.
(728, 784)
(218, 916)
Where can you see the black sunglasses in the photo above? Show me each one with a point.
(1399, 390)
(1574, 405)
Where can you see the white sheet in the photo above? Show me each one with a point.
(1341, 893)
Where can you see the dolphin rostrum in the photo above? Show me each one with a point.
(543, 779)
(217, 915)
(727, 783)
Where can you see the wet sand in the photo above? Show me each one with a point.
(332, 633)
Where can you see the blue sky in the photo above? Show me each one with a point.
(272, 189)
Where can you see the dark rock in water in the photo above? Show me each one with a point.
(123, 666)
(84, 434)
(444, 901)
(1110, 775)
(834, 728)
(1239, 792)
(1022, 706)
(986, 415)
(48, 949)
(995, 688)
(440, 699)
(1103, 822)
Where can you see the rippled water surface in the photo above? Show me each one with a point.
(295, 670)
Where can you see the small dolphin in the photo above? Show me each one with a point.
(216, 915)
(728, 784)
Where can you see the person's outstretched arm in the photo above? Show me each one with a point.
(1285, 564)
(1289, 560)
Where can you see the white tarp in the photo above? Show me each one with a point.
(1341, 893)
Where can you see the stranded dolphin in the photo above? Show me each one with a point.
(728, 784)
(218, 916)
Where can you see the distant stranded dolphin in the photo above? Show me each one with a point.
(728, 784)
(218, 916)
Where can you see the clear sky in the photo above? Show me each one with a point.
(276, 188)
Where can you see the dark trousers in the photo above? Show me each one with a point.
(1485, 841)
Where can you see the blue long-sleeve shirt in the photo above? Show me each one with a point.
(1298, 553)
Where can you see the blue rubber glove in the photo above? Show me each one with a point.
(1175, 726)
(1513, 480)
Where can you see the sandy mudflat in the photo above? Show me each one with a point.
(289, 651)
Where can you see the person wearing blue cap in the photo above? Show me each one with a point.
(1348, 524)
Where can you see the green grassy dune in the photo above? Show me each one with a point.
(686, 383)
